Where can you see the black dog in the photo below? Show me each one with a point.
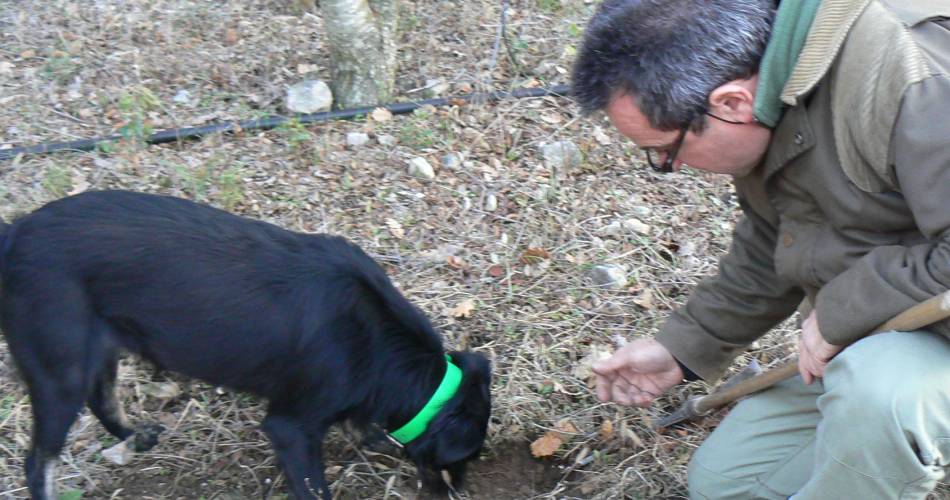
(309, 322)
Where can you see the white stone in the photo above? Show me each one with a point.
(182, 97)
(119, 454)
(608, 276)
(309, 96)
(386, 139)
(451, 161)
(420, 167)
(491, 203)
(561, 155)
(356, 139)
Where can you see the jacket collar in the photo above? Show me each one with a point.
(789, 30)
(831, 26)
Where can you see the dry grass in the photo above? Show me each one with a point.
(84, 69)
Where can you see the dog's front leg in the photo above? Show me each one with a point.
(298, 453)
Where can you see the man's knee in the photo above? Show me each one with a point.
(713, 475)
(707, 481)
(885, 376)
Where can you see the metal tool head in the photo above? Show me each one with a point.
(685, 413)
(692, 409)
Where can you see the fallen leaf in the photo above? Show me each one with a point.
(161, 390)
(381, 115)
(583, 369)
(645, 299)
(534, 255)
(551, 118)
(496, 271)
(637, 226)
(606, 429)
(463, 310)
(548, 444)
(395, 228)
(566, 427)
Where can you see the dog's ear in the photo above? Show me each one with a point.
(462, 432)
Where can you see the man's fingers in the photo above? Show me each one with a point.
(642, 399)
(609, 365)
(603, 388)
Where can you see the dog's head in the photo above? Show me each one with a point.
(456, 435)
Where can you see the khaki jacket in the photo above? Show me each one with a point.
(849, 212)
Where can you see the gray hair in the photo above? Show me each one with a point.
(669, 54)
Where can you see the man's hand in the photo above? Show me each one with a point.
(814, 352)
(637, 373)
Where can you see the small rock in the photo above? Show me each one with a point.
(562, 156)
(182, 97)
(491, 203)
(356, 139)
(608, 276)
(619, 228)
(642, 211)
(636, 226)
(451, 161)
(600, 136)
(419, 167)
(119, 454)
(309, 96)
(386, 139)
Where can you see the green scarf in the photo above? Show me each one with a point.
(792, 23)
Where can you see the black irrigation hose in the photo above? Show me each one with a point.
(275, 121)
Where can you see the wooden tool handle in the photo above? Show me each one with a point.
(926, 313)
(754, 384)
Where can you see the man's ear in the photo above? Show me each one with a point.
(735, 100)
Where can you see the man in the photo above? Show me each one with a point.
(833, 117)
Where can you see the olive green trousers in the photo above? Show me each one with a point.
(876, 427)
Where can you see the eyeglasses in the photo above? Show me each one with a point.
(674, 148)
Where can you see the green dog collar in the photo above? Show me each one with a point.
(418, 424)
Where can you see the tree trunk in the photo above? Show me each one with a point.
(362, 40)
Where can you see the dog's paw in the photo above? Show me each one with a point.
(146, 436)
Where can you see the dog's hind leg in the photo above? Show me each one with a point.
(48, 330)
(105, 405)
(55, 407)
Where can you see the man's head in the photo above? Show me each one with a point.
(662, 67)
